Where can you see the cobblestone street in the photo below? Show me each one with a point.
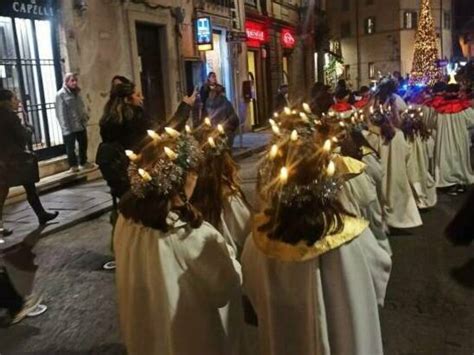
(428, 306)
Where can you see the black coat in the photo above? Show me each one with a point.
(13, 141)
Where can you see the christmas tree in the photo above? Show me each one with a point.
(425, 69)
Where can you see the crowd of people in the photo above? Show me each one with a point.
(311, 261)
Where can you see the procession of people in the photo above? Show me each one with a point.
(311, 260)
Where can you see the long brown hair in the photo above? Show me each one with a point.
(152, 207)
(218, 176)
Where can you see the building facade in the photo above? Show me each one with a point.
(377, 36)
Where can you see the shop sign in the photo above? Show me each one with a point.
(236, 36)
(256, 33)
(203, 30)
(38, 9)
(288, 39)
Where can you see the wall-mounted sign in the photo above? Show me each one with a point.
(288, 39)
(203, 29)
(37, 9)
(256, 33)
(236, 36)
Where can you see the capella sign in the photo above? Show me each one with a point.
(27, 8)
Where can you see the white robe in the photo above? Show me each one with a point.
(452, 152)
(236, 221)
(359, 197)
(402, 211)
(170, 287)
(325, 305)
(422, 182)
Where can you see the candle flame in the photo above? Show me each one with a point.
(294, 136)
(131, 155)
(287, 110)
(273, 151)
(304, 117)
(207, 121)
(331, 169)
(276, 130)
(327, 145)
(144, 174)
(284, 175)
(211, 142)
(187, 129)
(153, 135)
(220, 128)
(170, 153)
(306, 107)
(172, 132)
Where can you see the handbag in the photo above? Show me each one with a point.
(22, 169)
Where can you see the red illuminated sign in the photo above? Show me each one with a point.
(256, 33)
(288, 39)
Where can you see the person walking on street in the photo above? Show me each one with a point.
(72, 117)
(17, 166)
(206, 89)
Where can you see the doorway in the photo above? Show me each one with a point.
(149, 42)
(256, 71)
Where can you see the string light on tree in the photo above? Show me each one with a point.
(425, 70)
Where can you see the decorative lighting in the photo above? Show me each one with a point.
(331, 169)
(306, 107)
(207, 121)
(172, 132)
(273, 151)
(153, 135)
(144, 174)
(187, 129)
(304, 117)
(294, 135)
(211, 142)
(170, 153)
(284, 175)
(287, 110)
(220, 128)
(276, 130)
(131, 155)
(327, 145)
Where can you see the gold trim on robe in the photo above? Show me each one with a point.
(353, 227)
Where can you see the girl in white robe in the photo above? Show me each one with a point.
(452, 121)
(174, 272)
(314, 275)
(221, 201)
(394, 151)
(418, 137)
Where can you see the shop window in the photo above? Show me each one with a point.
(369, 25)
(371, 70)
(447, 20)
(31, 69)
(410, 20)
(345, 29)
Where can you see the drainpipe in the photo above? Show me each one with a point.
(359, 72)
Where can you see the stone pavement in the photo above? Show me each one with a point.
(78, 203)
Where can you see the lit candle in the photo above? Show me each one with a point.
(272, 122)
(287, 110)
(331, 169)
(304, 117)
(171, 132)
(284, 175)
(273, 151)
(327, 145)
(188, 129)
(294, 136)
(211, 142)
(421, 114)
(131, 155)
(153, 135)
(220, 128)
(306, 107)
(294, 112)
(342, 124)
(275, 114)
(316, 122)
(207, 121)
(410, 107)
(276, 130)
(335, 140)
(144, 174)
(372, 110)
(170, 153)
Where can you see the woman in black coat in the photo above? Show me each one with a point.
(14, 138)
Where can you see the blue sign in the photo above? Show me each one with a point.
(203, 31)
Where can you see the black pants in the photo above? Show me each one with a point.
(70, 142)
(31, 196)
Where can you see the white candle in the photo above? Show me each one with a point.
(220, 128)
(188, 129)
(284, 175)
(170, 153)
(273, 151)
(306, 107)
(276, 130)
(287, 110)
(294, 136)
(144, 174)
(327, 145)
(207, 121)
(172, 132)
(153, 135)
(131, 155)
(211, 142)
(304, 117)
(331, 169)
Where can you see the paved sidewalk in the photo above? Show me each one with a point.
(88, 200)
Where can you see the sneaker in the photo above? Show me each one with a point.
(31, 306)
(37, 311)
(109, 265)
(74, 169)
(47, 217)
(87, 166)
(5, 232)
